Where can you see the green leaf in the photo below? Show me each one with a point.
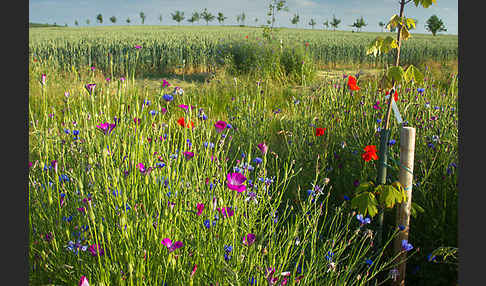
(365, 187)
(413, 73)
(389, 195)
(365, 203)
(404, 33)
(395, 73)
(400, 188)
(416, 209)
(393, 23)
(424, 3)
(381, 45)
(410, 23)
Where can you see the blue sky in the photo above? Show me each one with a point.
(373, 11)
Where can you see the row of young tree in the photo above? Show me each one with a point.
(434, 24)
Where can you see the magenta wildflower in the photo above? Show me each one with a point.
(43, 79)
(235, 182)
(138, 47)
(183, 106)
(95, 249)
(83, 281)
(200, 208)
(171, 246)
(194, 270)
(263, 147)
(90, 87)
(93, 68)
(249, 239)
(106, 127)
(376, 106)
(220, 125)
(188, 155)
(165, 83)
(226, 211)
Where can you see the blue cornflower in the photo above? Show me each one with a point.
(206, 223)
(68, 219)
(66, 131)
(76, 132)
(401, 227)
(228, 248)
(346, 198)
(153, 112)
(420, 90)
(392, 142)
(227, 257)
(160, 165)
(167, 97)
(363, 220)
(310, 192)
(252, 281)
(329, 255)
(378, 120)
(229, 126)
(406, 245)
(369, 262)
(431, 258)
(63, 178)
(146, 102)
(257, 160)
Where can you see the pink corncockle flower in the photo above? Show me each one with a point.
(220, 125)
(171, 246)
(226, 211)
(194, 270)
(235, 182)
(165, 83)
(30, 164)
(82, 210)
(269, 272)
(163, 110)
(106, 127)
(93, 68)
(249, 239)
(138, 47)
(136, 120)
(43, 79)
(122, 79)
(108, 79)
(83, 281)
(263, 147)
(95, 249)
(376, 106)
(200, 208)
(183, 106)
(90, 87)
(188, 155)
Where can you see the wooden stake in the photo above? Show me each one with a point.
(405, 177)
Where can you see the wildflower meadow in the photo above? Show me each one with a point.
(233, 176)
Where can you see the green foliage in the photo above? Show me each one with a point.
(381, 45)
(424, 3)
(416, 209)
(414, 74)
(435, 25)
(389, 195)
(358, 24)
(365, 203)
(395, 73)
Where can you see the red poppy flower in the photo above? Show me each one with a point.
(320, 131)
(395, 96)
(181, 122)
(370, 153)
(352, 84)
(246, 37)
(307, 44)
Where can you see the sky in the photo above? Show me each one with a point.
(373, 11)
